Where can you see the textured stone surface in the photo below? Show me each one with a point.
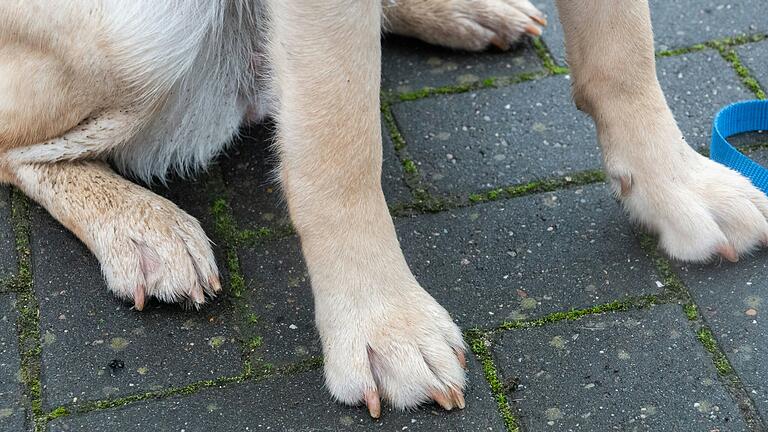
(755, 57)
(678, 24)
(409, 64)
(733, 301)
(294, 403)
(468, 142)
(95, 346)
(697, 86)
(12, 410)
(639, 370)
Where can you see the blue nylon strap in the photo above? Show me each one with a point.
(737, 118)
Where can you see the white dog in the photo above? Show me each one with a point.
(156, 85)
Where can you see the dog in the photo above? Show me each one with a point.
(156, 86)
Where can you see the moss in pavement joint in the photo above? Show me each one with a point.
(710, 344)
(480, 345)
(28, 321)
(691, 311)
(547, 185)
(492, 82)
(743, 72)
(577, 314)
(669, 278)
(409, 166)
(546, 58)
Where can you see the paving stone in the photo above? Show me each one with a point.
(8, 261)
(678, 24)
(755, 57)
(464, 143)
(505, 260)
(409, 64)
(469, 142)
(12, 412)
(95, 346)
(294, 403)
(255, 197)
(630, 371)
(697, 86)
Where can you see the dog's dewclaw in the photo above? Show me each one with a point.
(442, 399)
(626, 185)
(138, 298)
(373, 403)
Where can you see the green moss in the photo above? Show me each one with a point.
(547, 185)
(480, 346)
(576, 314)
(743, 72)
(58, 412)
(255, 343)
(691, 311)
(681, 51)
(389, 122)
(491, 82)
(710, 344)
(546, 58)
(409, 166)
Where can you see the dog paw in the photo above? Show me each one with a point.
(699, 208)
(464, 24)
(155, 249)
(402, 349)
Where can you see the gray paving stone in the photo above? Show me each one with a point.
(8, 261)
(256, 198)
(468, 142)
(95, 346)
(13, 414)
(409, 64)
(697, 86)
(629, 371)
(755, 57)
(296, 403)
(464, 143)
(505, 260)
(678, 24)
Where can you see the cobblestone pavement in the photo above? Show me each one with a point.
(577, 323)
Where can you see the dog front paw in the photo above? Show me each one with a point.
(464, 24)
(699, 208)
(403, 349)
(152, 248)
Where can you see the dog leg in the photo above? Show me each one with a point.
(698, 207)
(464, 24)
(383, 336)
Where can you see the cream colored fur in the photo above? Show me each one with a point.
(156, 85)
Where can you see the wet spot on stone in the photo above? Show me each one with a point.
(539, 127)
(552, 414)
(557, 342)
(528, 303)
(217, 341)
(5, 412)
(118, 343)
(48, 338)
(142, 370)
(467, 79)
(347, 420)
(623, 355)
(443, 136)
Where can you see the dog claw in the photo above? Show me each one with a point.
(728, 252)
(215, 284)
(462, 358)
(138, 298)
(373, 403)
(539, 19)
(533, 29)
(458, 397)
(442, 400)
(499, 43)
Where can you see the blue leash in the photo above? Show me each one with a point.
(737, 118)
